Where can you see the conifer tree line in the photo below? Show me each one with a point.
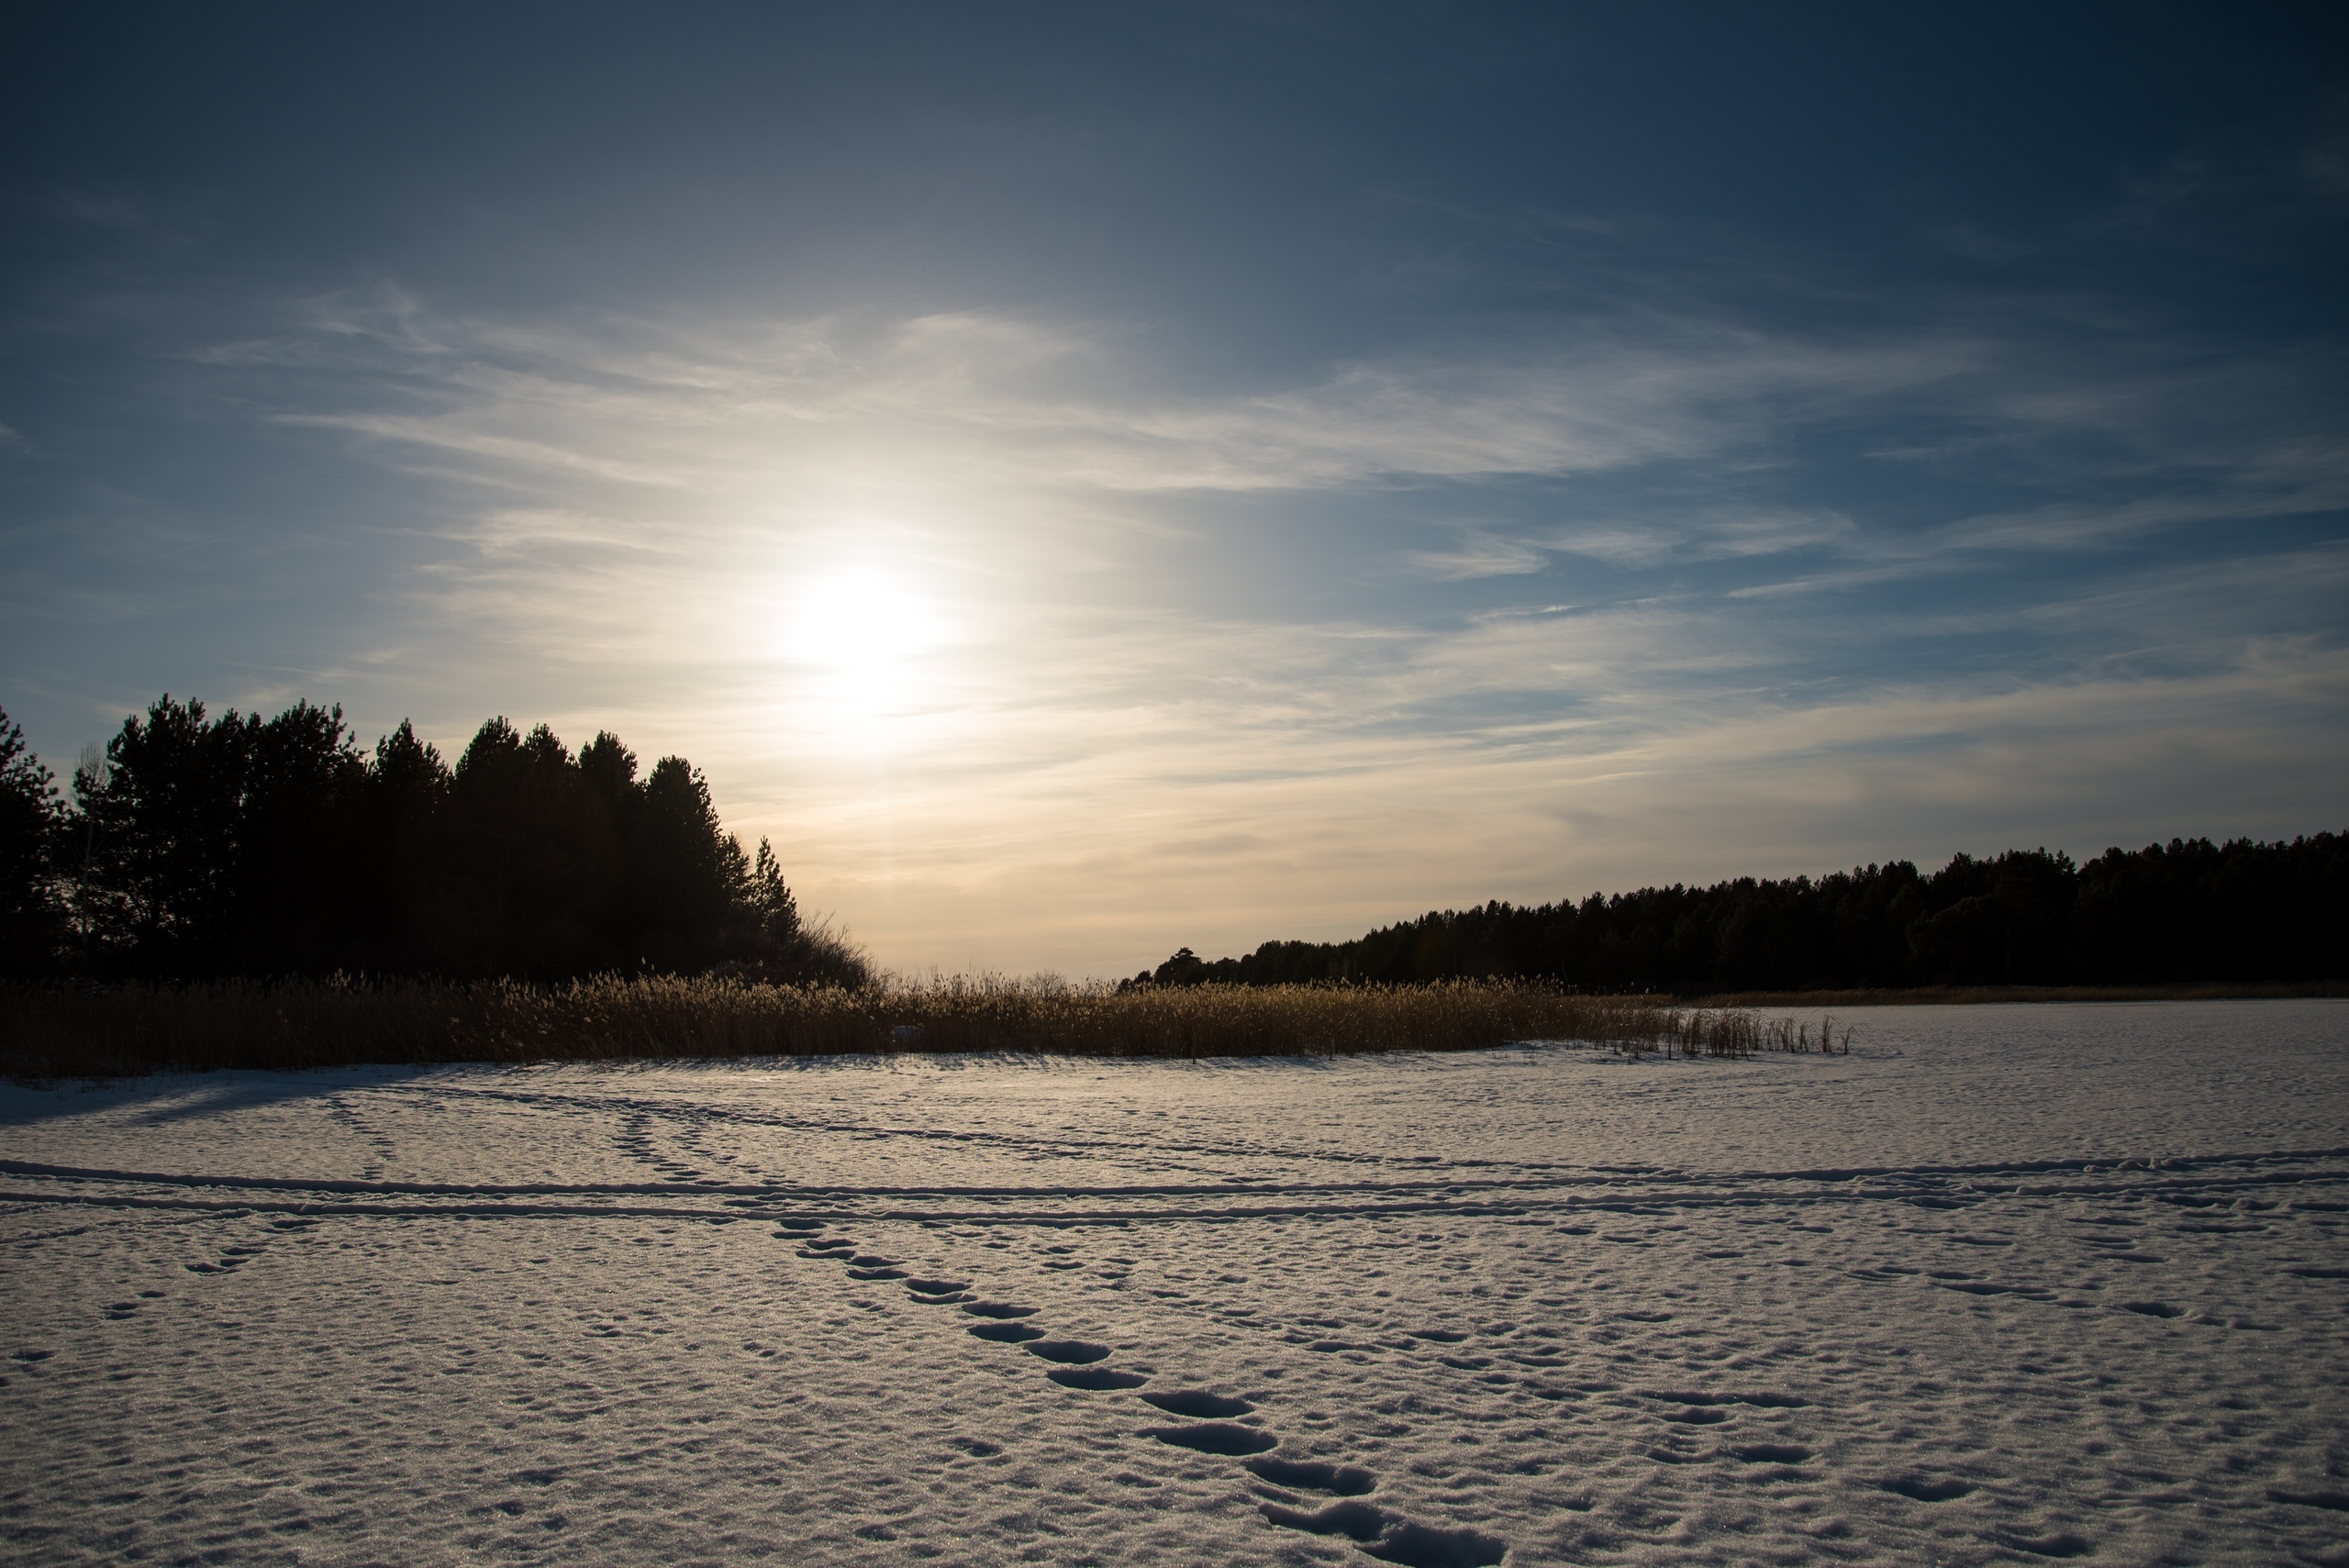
(194, 846)
(2178, 913)
(202, 847)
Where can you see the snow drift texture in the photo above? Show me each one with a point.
(2005, 1285)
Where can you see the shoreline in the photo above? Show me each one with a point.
(1965, 996)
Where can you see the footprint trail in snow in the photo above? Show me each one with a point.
(1382, 1534)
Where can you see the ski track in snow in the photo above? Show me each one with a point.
(2005, 1285)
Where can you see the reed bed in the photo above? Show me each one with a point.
(1742, 1032)
(48, 1033)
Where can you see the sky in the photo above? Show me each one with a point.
(1085, 480)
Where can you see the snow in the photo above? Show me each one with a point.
(2005, 1284)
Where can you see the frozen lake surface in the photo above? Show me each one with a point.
(2005, 1285)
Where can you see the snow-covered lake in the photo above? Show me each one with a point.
(2004, 1283)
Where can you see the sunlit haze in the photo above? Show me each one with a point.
(1084, 480)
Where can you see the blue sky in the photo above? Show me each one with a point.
(1090, 478)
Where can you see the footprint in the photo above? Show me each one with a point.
(1697, 1416)
(1196, 1403)
(1925, 1489)
(2063, 1544)
(1770, 1454)
(784, 1228)
(1423, 1546)
(1226, 1437)
(1069, 1353)
(1363, 1522)
(870, 1261)
(1005, 1333)
(921, 1300)
(978, 1448)
(1098, 1379)
(876, 1273)
(1440, 1336)
(1312, 1475)
(2153, 1309)
(936, 1286)
(997, 1309)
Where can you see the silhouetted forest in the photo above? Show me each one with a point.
(2186, 911)
(197, 846)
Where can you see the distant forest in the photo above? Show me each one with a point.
(201, 846)
(2186, 911)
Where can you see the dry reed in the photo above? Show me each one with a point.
(123, 1030)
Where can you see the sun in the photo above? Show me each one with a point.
(864, 629)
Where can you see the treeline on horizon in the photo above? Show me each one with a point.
(2185, 912)
(197, 846)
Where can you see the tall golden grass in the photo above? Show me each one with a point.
(128, 1029)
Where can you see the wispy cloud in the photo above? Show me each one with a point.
(1057, 400)
(1478, 555)
(2292, 479)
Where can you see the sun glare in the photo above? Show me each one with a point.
(862, 629)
